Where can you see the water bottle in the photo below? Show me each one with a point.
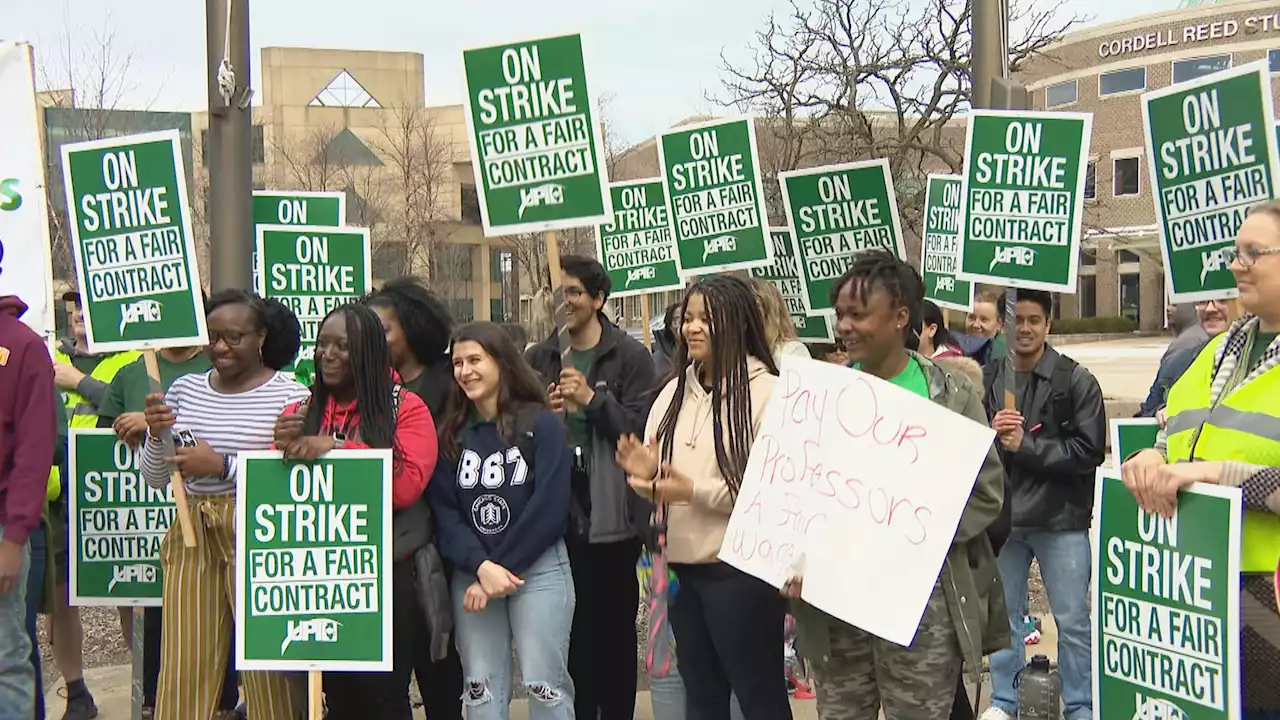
(1038, 691)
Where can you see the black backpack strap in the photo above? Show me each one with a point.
(1061, 405)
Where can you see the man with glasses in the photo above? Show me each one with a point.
(603, 387)
(1214, 318)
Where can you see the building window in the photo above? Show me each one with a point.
(1122, 81)
(464, 309)
(390, 260)
(1091, 180)
(1059, 94)
(1130, 296)
(257, 144)
(1088, 257)
(1088, 294)
(1273, 57)
(344, 91)
(1125, 177)
(1128, 256)
(1184, 70)
(470, 205)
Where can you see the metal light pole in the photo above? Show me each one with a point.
(992, 90)
(228, 152)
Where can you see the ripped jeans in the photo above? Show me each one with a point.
(536, 619)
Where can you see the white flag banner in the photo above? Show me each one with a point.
(25, 268)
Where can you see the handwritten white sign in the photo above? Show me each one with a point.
(859, 485)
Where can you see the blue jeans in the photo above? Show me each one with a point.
(35, 593)
(17, 677)
(537, 618)
(1065, 567)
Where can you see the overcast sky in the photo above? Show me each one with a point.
(658, 58)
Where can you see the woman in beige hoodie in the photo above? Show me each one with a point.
(728, 625)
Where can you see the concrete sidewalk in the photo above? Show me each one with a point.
(110, 687)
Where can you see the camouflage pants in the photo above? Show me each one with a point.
(863, 673)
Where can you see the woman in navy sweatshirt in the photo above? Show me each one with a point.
(501, 499)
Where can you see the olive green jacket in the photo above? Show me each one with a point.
(970, 579)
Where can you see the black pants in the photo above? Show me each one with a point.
(152, 622)
(729, 631)
(385, 695)
(380, 695)
(439, 683)
(602, 646)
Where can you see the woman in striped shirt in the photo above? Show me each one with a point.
(213, 416)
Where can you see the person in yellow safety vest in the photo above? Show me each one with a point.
(1223, 426)
(83, 379)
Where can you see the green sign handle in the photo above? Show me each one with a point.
(175, 478)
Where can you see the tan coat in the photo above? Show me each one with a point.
(695, 531)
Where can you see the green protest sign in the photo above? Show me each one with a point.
(1130, 435)
(288, 207)
(635, 247)
(535, 137)
(940, 251)
(1023, 202)
(714, 187)
(1166, 599)
(784, 273)
(1211, 150)
(313, 562)
(131, 237)
(836, 213)
(313, 270)
(115, 523)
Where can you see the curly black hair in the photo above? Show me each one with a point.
(284, 332)
(882, 269)
(427, 322)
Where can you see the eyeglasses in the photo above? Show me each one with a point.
(1248, 256)
(231, 338)
(1207, 303)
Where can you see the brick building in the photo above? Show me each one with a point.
(1104, 70)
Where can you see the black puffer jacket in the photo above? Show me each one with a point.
(1063, 443)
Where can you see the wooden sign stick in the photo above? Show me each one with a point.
(175, 478)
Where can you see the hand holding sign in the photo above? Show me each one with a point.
(159, 416)
(838, 478)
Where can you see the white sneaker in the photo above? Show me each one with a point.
(995, 713)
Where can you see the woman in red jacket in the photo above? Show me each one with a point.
(355, 403)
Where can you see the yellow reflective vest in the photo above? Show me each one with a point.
(1243, 426)
(80, 412)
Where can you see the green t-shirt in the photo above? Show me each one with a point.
(576, 421)
(1261, 342)
(911, 378)
(129, 388)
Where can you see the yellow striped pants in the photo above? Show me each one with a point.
(199, 599)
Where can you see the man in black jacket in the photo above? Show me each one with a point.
(604, 390)
(1051, 446)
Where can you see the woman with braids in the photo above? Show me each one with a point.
(728, 625)
(418, 327)
(355, 404)
(877, 305)
(501, 500)
(214, 415)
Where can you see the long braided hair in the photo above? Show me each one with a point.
(370, 374)
(736, 332)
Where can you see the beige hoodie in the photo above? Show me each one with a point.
(696, 531)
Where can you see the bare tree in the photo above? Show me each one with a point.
(418, 178)
(845, 80)
(303, 161)
(86, 82)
